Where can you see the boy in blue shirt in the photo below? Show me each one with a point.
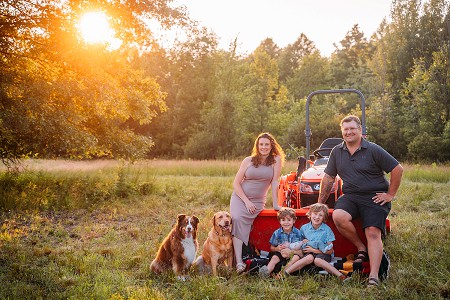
(282, 241)
(318, 238)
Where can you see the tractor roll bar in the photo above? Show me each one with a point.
(339, 91)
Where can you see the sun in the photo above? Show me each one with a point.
(95, 29)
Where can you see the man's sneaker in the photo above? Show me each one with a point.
(264, 271)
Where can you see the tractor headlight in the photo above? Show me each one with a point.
(304, 188)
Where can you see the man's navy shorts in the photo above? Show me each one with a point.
(362, 206)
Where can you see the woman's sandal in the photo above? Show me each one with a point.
(361, 256)
(240, 267)
(373, 282)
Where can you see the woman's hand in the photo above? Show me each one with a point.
(251, 208)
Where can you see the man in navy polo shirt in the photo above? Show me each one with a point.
(367, 193)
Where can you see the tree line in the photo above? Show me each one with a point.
(61, 97)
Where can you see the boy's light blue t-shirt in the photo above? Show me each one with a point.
(322, 234)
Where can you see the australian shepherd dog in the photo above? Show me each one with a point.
(179, 249)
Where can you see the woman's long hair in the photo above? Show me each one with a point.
(276, 150)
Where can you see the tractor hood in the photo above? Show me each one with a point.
(313, 173)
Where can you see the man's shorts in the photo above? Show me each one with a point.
(362, 206)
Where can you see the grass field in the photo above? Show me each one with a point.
(89, 230)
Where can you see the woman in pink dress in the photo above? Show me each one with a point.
(255, 176)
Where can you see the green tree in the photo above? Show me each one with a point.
(216, 136)
(402, 40)
(291, 56)
(67, 113)
(260, 92)
(403, 54)
(190, 83)
(74, 99)
(270, 47)
(432, 29)
(349, 62)
(426, 101)
(313, 73)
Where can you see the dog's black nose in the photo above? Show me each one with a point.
(227, 223)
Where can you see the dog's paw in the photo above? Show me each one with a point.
(182, 277)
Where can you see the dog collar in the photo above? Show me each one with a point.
(223, 234)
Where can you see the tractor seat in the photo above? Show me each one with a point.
(327, 145)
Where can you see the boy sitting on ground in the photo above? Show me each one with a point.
(283, 241)
(315, 235)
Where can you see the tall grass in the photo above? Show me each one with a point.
(90, 230)
(427, 173)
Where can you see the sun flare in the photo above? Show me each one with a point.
(95, 29)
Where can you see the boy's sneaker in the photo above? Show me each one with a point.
(344, 279)
(264, 271)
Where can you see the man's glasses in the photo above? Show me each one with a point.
(350, 129)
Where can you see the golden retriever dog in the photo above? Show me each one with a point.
(179, 249)
(218, 246)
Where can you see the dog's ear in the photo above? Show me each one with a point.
(180, 218)
(214, 220)
(196, 220)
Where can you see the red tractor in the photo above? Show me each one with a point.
(300, 188)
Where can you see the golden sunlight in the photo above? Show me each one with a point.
(94, 28)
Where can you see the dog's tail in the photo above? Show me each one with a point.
(199, 265)
(154, 267)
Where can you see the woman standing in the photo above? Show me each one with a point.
(256, 174)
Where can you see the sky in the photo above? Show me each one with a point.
(323, 21)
